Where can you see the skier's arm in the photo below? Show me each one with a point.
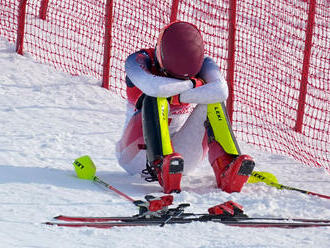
(136, 67)
(215, 89)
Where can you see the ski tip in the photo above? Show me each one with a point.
(58, 217)
(48, 223)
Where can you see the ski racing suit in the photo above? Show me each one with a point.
(194, 115)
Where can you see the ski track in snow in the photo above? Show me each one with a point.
(49, 118)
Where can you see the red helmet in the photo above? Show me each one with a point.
(180, 49)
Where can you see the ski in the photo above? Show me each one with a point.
(90, 218)
(251, 224)
(117, 218)
(155, 212)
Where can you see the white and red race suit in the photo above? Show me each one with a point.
(186, 120)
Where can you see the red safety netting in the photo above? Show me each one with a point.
(8, 19)
(269, 65)
(270, 57)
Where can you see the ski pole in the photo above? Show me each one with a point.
(86, 169)
(98, 180)
(271, 180)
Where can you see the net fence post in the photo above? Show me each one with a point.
(231, 57)
(43, 9)
(107, 44)
(305, 67)
(174, 10)
(21, 26)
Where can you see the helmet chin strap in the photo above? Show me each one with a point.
(158, 65)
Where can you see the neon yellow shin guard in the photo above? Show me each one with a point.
(163, 122)
(155, 127)
(221, 127)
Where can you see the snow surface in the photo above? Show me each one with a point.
(49, 118)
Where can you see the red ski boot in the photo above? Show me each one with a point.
(169, 172)
(231, 171)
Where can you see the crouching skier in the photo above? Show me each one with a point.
(176, 114)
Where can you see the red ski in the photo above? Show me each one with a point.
(104, 219)
(251, 224)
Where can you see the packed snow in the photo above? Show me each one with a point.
(49, 118)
